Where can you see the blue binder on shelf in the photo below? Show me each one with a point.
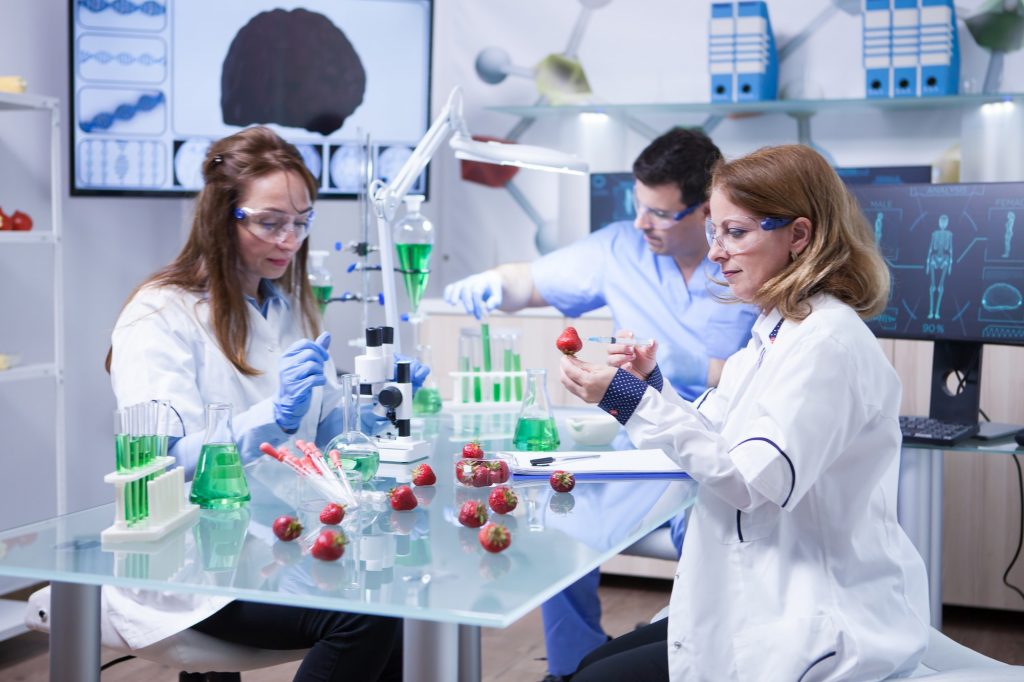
(910, 48)
(742, 56)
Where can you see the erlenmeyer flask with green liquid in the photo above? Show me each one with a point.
(427, 400)
(219, 481)
(414, 239)
(535, 428)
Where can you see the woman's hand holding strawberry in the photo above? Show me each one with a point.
(585, 380)
(638, 360)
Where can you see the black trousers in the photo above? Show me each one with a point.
(343, 646)
(638, 655)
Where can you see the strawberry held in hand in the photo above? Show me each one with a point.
(329, 546)
(332, 514)
(502, 500)
(402, 498)
(473, 450)
(473, 514)
(569, 341)
(562, 481)
(495, 538)
(287, 528)
(422, 474)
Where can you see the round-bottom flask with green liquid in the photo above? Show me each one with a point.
(219, 481)
(535, 428)
(356, 451)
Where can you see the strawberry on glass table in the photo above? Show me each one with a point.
(329, 546)
(473, 514)
(402, 498)
(562, 481)
(495, 538)
(502, 500)
(332, 514)
(287, 528)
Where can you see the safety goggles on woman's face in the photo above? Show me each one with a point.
(737, 234)
(662, 220)
(274, 227)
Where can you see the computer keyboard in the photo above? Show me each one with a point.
(934, 431)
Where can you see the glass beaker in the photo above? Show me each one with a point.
(219, 481)
(535, 428)
(356, 450)
(428, 398)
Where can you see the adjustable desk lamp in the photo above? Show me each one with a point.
(396, 395)
(386, 199)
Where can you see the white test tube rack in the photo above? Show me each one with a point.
(168, 509)
(508, 398)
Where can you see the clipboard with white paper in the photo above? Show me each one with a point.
(589, 464)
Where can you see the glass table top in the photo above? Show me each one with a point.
(417, 564)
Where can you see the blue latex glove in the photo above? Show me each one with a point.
(300, 370)
(478, 294)
(418, 371)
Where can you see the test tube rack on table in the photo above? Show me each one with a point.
(489, 377)
(163, 502)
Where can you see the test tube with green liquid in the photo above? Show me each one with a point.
(485, 348)
(465, 351)
(506, 365)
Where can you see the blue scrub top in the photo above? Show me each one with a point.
(647, 294)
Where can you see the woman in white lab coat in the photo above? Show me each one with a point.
(231, 320)
(794, 565)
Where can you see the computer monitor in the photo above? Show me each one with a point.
(956, 254)
(154, 83)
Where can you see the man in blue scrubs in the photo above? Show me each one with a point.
(656, 279)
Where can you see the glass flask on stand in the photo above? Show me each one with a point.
(428, 399)
(356, 451)
(219, 481)
(414, 239)
(535, 428)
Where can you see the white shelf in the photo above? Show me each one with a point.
(36, 371)
(10, 101)
(30, 237)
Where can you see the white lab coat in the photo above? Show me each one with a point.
(794, 565)
(164, 348)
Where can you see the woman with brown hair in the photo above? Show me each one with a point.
(230, 320)
(794, 565)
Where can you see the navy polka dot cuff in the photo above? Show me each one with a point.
(623, 395)
(656, 380)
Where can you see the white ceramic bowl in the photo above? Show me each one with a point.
(597, 429)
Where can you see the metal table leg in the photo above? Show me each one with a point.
(430, 651)
(74, 633)
(469, 653)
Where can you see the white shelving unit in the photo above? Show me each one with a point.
(12, 612)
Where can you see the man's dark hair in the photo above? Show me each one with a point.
(683, 157)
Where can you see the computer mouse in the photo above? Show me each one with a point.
(1019, 437)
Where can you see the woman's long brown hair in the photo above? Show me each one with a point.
(209, 261)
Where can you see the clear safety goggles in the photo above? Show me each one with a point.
(737, 234)
(662, 220)
(274, 227)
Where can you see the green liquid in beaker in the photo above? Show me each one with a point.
(219, 482)
(414, 260)
(426, 401)
(366, 463)
(536, 434)
(322, 295)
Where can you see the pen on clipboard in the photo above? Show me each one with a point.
(551, 460)
(620, 340)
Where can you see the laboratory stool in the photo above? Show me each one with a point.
(949, 661)
(188, 651)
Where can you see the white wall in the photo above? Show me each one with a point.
(633, 51)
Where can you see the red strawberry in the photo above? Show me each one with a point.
(498, 470)
(332, 514)
(287, 528)
(402, 498)
(569, 341)
(481, 476)
(502, 500)
(423, 475)
(473, 450)
(464, 471)
(562, 481)
(494, 538)
(329, 546)
(473, 514)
